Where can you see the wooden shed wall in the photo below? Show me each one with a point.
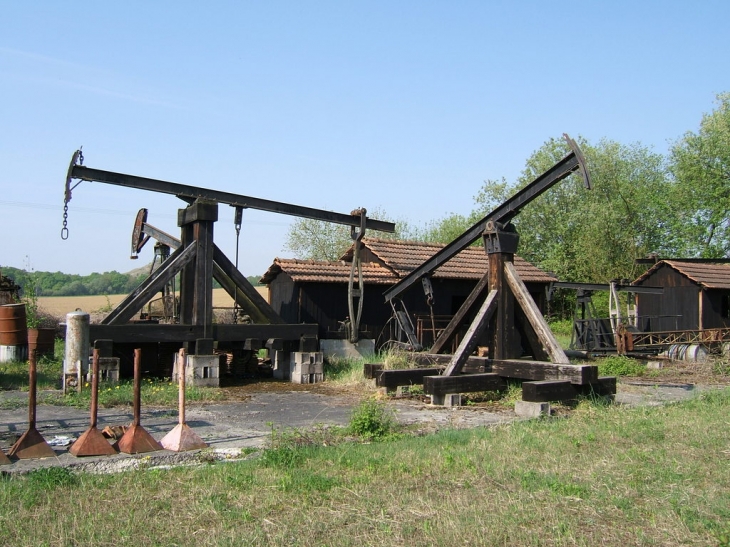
(676, 309)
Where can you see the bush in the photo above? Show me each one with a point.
(620, 365)
(371, 419)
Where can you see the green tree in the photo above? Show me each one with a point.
(590, 236)
(700, 163)
(318, 240)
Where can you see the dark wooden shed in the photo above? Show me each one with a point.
(316, 291)
(696, 296)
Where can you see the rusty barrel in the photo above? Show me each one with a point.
(13, 327)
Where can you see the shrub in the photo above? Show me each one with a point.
(371, 419)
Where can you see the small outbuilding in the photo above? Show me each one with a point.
(316, 291)
(696, 296)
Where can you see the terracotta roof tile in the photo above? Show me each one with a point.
(318, 271)
(471, 263)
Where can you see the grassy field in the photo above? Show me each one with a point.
(59, 306)
(606, 476)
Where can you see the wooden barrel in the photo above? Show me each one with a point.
(13, 327)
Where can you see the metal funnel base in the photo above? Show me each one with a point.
(4, 460)
(31, 445)
(182, 438)
(136, 440)
(92, 443)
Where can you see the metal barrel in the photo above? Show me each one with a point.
(694, 353)
(13, 326)
(43, 340)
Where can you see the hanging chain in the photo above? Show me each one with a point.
(237, 220)
(77, 157)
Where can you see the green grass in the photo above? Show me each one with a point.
(606, 476)
(620, 365)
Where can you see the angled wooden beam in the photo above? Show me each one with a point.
(242, 287)
(448, 334)
(476, 328)
(537, 321)
(131, 305)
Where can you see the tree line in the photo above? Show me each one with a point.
(62, 284)
(675, 206)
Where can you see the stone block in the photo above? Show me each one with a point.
(656, 365)
(447, 399)
(527, 409)
(280, 362)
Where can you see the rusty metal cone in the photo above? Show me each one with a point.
(92, 443)
(136, 440)
(31, 445)
(4, 460)
(182, 438)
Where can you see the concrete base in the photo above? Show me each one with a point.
(450, 399)
(200, 370)
(13, 353)
(281, 364)
(655, 365)
(527, 409)
(344, 349)
(306, 367)
(109, 370)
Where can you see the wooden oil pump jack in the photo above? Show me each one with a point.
(491, 304)
(198, 261)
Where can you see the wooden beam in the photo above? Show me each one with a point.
(537, 321)
(190, 333)
(477, 327)
(548, 390)
(404, 377)
(229, 269)
(463, 383)
(133, 303)
(370, 370)
(537, 370)
(448, 334)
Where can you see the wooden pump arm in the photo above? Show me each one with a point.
(572, 162)
(191, 193)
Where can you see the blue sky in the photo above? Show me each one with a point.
(403, 106)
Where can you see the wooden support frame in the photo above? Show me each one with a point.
(392, 379)
(463, 383)
(477, 327)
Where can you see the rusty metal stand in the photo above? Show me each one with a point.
(136, 439)
(182, 438)
(92, 442)
(31, 444)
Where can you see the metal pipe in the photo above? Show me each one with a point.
(137, 385)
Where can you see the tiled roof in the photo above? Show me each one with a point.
(399, 258)
(471, 263)
(318, 271)
(708, 275)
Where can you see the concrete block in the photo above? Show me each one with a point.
(108, 369)
(655, 365)
(448, 399)
(200, 370)
(280, 362)
(345, 349)
(306, 378)
(527, 409)
(306, 363)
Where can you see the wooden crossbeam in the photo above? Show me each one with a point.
(477, 327)
(404, 377)
(463, 383)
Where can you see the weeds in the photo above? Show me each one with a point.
(620, 365)
(371, 419)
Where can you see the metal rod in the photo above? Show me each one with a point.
(181, 361)
(137, 384)
(94, 386)
(32, 387)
